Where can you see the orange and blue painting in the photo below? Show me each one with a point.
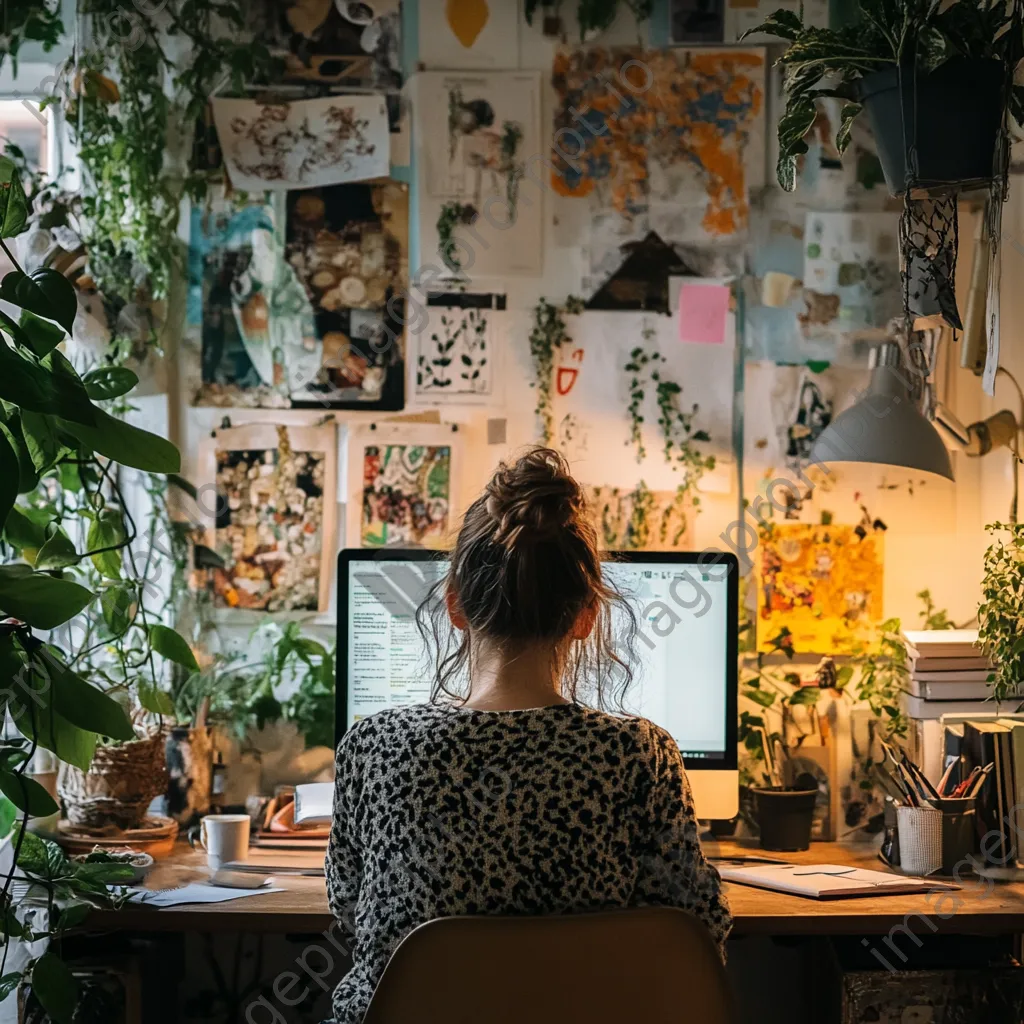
(636, 129)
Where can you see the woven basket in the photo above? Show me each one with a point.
(119, 785)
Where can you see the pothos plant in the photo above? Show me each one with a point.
(549, 333)
(124, 101)
(55, 429)
(28, 21)
(1001, 612)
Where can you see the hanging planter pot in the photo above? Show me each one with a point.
(937, 131)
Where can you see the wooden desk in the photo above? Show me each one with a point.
(996, 909)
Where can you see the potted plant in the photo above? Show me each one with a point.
(935, 78)
(1001, 612)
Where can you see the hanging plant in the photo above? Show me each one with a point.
(452, 215)
(549, 334)
(28, 21)
(122, 116)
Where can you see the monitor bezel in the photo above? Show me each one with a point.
(708, 562)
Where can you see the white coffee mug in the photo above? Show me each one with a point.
(225, 838)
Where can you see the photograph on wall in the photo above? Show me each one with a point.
(474, 35)
(475, 134)
(303, 144)
(276, 492)
(455, 349)
(851, 271)
(348, 246)
(344, 43)
(823, 583)
(400, 485)
(676, 146)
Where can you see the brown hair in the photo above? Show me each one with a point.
(524, 566)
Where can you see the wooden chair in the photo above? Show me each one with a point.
(612, 967)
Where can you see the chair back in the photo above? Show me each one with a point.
(609, 967)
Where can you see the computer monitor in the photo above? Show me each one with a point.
(685, 649)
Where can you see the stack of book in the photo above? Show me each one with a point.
(948, 673)
(297, 818)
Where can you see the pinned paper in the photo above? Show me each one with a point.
(704, 313)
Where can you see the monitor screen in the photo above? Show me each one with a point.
(682, 649)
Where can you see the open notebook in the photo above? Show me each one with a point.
(827, 881)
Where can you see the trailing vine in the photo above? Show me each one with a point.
(127, 100)
(28, 21)
(451, 216)
(548, 335)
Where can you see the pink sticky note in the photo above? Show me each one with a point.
(703, 313)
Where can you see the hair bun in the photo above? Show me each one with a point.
(532, 499)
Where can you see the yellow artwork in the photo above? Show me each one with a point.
(467, 19)
(823, 583)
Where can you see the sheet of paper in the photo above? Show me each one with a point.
(197, 892)
(704, 313)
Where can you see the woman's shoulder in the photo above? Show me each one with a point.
(639, 732)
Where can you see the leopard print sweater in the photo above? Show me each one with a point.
(441, 811)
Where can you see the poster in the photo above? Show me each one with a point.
(743, 15)
(667, 140)
(454, 352)
(275, 516)
(640, 519)
(823, 583)
(475, 136)
(304, 143)
(475, 35)
(401, 485)
(851, 271)
(258, 325)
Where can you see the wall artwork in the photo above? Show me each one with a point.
(640, 519)
(851, 271)
(743, 15)
(672, 140)
(823, 583)
(302, 314)
(274, 528)
(400, 490)
(476, 35)
(305, 143)
(475, 134)
(454, 353)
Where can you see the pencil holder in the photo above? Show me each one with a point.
(920, 830)
(959, 835)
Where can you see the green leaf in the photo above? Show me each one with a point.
(126, 444)
(784, 24)
(173, 646)
(766, 698)
(86, 706)
(32, 855)
(41, 441)
(31, 384)
(9, 478)
(109, 382)
(8, 983)
(41, 335)
(154, 700)
(13, 201)
(106, 874)
(27, 794)
(55, 987)
(40, 600)
(45, 292)
(28, 475)
(105, 531)
(38, 721)
(847, 117)
(805, 695)
(116, 605)
(843, 676)
(23, 533)
(57, 552)
(8, 816)
(72, 915)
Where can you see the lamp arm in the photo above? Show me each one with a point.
(982, 437)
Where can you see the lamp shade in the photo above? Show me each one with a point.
(885, 427)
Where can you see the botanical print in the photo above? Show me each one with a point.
(640, 519)
(471, 34)
(270, 534)
(305, 143)
(671, 140)
(455, 356)
(475, 133)
(822, 583)
(406, 495)
(851, 271)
